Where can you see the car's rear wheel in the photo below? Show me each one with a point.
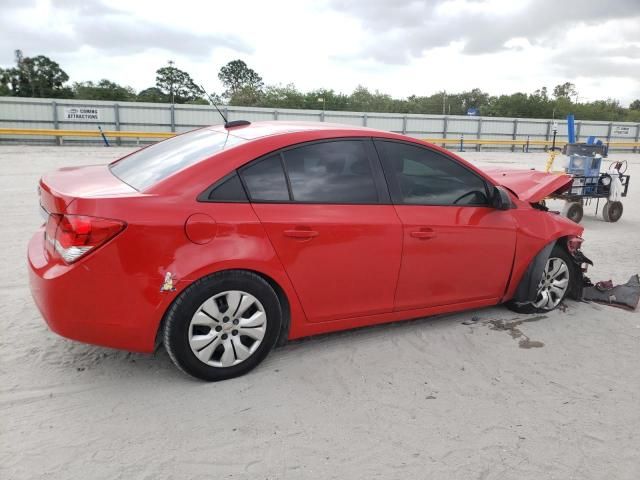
(556, 282)
(223, 325)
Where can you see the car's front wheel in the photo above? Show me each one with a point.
(555, 283)
(223, 325)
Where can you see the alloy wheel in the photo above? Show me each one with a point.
(553, 284)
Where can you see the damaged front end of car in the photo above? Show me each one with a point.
(527, 295)
(573, 245)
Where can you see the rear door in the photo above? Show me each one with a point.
(326, 210)
(456, 248)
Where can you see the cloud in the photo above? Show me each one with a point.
(116, 33)
(602, 62)
(401, 47)
(405, 29)
(92, 23)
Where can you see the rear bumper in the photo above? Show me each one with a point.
(96, 300)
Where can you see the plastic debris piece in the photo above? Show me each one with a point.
(623, 296)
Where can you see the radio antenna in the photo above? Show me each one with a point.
(214, 104)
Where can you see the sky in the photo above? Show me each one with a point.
(400, 47)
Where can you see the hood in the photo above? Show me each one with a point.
(530, 185)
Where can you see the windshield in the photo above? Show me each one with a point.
(148, 166)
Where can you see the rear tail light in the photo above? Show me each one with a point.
(73, 236)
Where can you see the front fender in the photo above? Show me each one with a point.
(536, 234)
(528, 285)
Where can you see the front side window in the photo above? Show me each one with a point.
(331, 172)
(146, 167)
(421, 176)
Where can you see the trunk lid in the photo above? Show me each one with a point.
(58, 189)
(530, 185)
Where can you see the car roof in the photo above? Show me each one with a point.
(257, 130)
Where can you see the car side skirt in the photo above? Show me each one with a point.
(308, 329)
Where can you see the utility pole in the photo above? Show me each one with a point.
(444, 100)
(171, 63)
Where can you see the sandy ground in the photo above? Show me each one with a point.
(431, 398)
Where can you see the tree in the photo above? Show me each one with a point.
(426, 105)
(635, 105)
(152, 95)
(213, 96)
(177, 84)
(362, 100)
(247, 97)
(565, 90)
(236, 76)
(330, 100)
(475, 98)
(514, 105)
(278, 96)
(103, 90)
(602, 110)
(4, 82)
(36, 77)
(542, 93)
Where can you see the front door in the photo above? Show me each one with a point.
(456, 248)
(321, 206)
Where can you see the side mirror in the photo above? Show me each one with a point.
(500, 199)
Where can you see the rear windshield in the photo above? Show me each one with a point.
(148, 166)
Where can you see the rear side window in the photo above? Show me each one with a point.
(421, 176)
(266, 181)
(148, 166)
(331, 172)
(229, 190)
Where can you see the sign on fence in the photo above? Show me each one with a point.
(82, 114)
(621, 131)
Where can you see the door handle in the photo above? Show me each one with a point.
(423, 234)
(297, 233)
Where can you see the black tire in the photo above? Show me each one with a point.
(573, 211)
(612, 211)
(178, 318)
(574, 276)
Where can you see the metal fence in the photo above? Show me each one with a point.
(33, 113)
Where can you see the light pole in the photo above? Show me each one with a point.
(171, 63)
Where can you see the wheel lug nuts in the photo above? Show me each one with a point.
(225, 319)
(236, 321)
(235, 332)
(218, 328)
(224, 336)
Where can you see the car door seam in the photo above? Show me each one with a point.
(275, 251)
(402, 241)
(513, 264)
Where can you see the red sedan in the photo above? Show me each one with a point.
(225, 241)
